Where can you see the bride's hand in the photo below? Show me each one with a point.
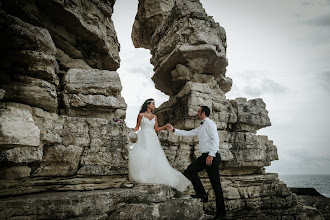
(169, 127)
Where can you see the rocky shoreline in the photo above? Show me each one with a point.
(312, 198)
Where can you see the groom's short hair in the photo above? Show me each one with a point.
(206, 110)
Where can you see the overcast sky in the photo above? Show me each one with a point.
(278, 50)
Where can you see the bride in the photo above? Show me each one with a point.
(147, 160)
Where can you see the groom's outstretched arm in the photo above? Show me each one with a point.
(193, 132)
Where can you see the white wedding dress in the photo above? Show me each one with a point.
(148, 162)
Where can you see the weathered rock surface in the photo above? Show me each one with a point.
(189, 56)
(107, 151)
(92, 82)
(250, 150)
(11, 186)
(2, 93)
(17, 172)
(154, 202)
(173, 209)
(83, 26)
(64, 146)
(42, 46)
(22, 155)
(93, 93)
(316, 205)
(150, 15)
(244, 153)
(68, 62)
(29, 49)
(186, 36)
(59, 160)
(17, 128)
(251, 115)
(181, 109)
(28, 69)
(31, 91)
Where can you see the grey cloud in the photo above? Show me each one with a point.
(254, 84)
(321, 20)
(315, 2)
(324, 79)
(300, 161)
(265, 86)
(257, 84)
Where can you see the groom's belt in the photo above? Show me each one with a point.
(207, 153)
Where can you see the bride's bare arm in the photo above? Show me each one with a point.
(138, 121)
(157, 129)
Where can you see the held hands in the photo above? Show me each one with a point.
(169, 127)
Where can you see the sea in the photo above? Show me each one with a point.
(319, 182)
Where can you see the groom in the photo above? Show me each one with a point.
(210, 160)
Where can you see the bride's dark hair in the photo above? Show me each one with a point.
(144, 107)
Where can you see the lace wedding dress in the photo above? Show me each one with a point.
(148, 162)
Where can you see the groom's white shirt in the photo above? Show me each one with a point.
(207, 135)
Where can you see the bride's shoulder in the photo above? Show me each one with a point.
(141, 115)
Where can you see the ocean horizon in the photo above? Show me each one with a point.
(320, 183)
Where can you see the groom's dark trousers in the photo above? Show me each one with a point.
(213, 172)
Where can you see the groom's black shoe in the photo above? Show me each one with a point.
(203, 197)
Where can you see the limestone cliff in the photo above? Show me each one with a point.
(62, 154)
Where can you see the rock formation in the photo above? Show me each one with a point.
(63, 154)
(189, 56)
